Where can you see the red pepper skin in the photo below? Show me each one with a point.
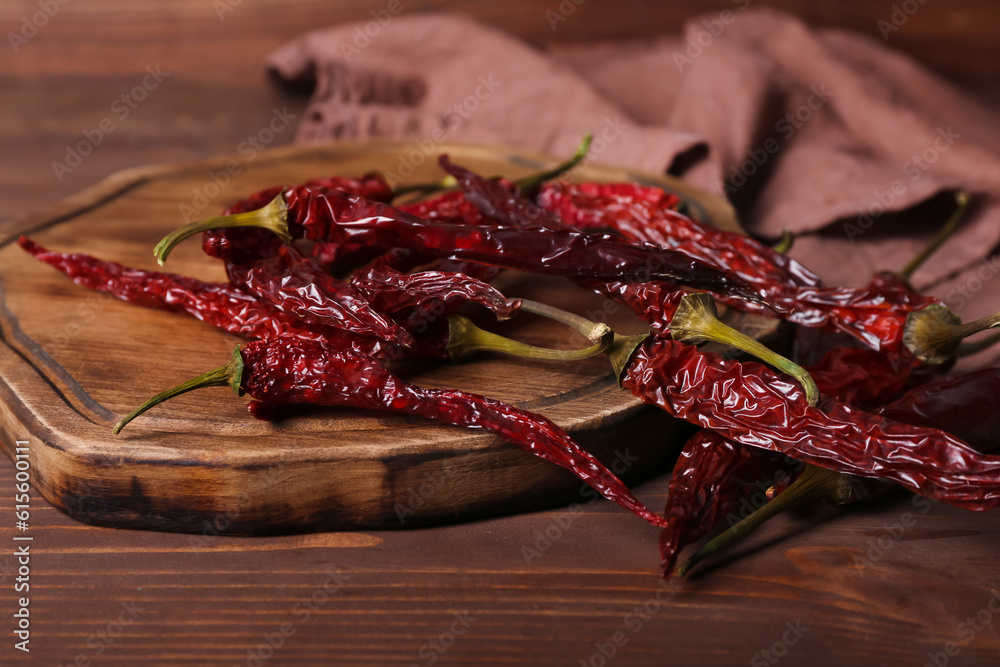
(712, 477)
(876, 316)
(297, 284)
(294, 370)
(499, 200)
(750, 404)
(450, 207)
(219, 304)
(333, 216)
(654, 302)
(645, 213)
(864, 378)
(241, 245)
(425, 295)
(963, 405)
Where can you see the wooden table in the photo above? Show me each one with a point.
(892, 583)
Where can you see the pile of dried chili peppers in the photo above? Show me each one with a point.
(330, 281)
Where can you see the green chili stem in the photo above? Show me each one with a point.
(465, 339)
(785, 243)
(962, 200)
(231, 374)
(273, 216)
(530, 183)
(446, 183)
(697, 321)
(813, 484)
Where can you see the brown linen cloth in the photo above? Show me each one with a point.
(825, 133)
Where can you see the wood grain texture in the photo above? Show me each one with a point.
(75, 361)
(381, 598)
(211, 600)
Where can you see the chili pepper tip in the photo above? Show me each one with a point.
(273, 216)
(231, 374)
(813, 484)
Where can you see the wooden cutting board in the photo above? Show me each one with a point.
(73, 361)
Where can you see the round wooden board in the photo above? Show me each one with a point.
(74, 361)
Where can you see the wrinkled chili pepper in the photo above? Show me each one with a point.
(333, 216)
(218, 304)
(243, 314)
(886, 316)
(297, 284)
(426, 293)
(293, 370)
(748, 403)
(714, 475)
(647, 213)
(964, 406)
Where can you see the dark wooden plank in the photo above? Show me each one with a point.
(208, 600)
(208, 603)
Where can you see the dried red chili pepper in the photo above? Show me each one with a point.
(243, 314)
(292, 370)
(964, 406)
(297, 284)
(887, 316)
(218, 304)
(711, 478)
(692, 318)
(749, 403)
(714, 475)
(646, 213)
(426, 294)
(333, 216)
